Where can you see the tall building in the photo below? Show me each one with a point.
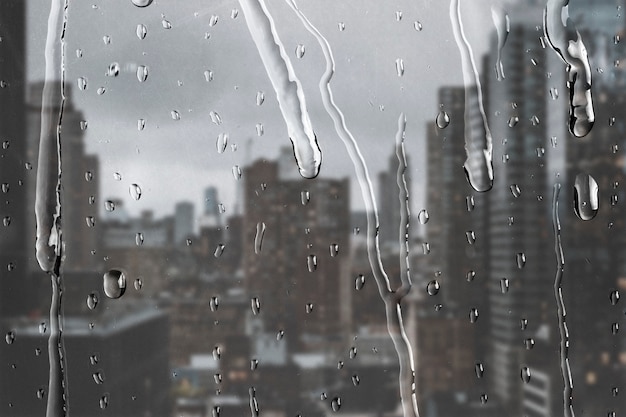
(389, 215)
(16, 292)
(183, 221)
(521, 269)
(295, 242)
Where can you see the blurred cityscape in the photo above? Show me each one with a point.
(272, 309)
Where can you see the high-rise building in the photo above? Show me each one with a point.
(183, 221)
(389, 214)
(295, 242)
(523, 117)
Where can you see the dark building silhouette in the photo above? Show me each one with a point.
(302, 254)
(389, 213)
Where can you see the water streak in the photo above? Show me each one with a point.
(391, 298)
(568, 44)
(48, 197)
(478, 142)
(568, 410)
(503, 27)
(289, 92)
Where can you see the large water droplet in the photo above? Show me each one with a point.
(142, 3)
(586, 199)
(135, 191)
(258, 238)
(442, 120)
(423, 216)
(336, 404)
(311, 263)
(142, 73)
(433, 287)
(92, 300)
(114, 283)
(104, 400)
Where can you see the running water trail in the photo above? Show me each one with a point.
(568, 410)
(478, 143)
(560, 31)
(391, 298)
(289, 92)
(503, 27)
(48, 198)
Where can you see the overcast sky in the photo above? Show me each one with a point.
(174, 160)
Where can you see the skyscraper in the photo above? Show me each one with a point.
(523, 117)
(389, 213)
(295, 243)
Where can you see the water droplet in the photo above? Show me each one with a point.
(515, 190)
(341, 26)
(258, 239)
(255, 304)
(142, 73)
(473, 315)
(614, 297)
(101, 90)
(260, 98)
(141, 124)
(114, 283)
(234, 13)
(336, 404)
(513, 120)
(521, 260)
(208, 75)
(213, 21)
(217, 353)
(470, 275)
(308, 308)
(91, 222)
(106, 39)
(43, 327)
(166, 24)
(340, 365)
(417, 25)
(92, 301)
(135, 191)
(359, 282)
(219, 250)
(109, 205)
(442, 120)
(222, 142)
(305, 197)
(259, 129)
(554, 93)
(138, 284)
(525, 374)
(113, 70)
(300, 50)
(236, 172)
(470, 236)
(141, 31)
(10, 337)
(98, 377)
(334, 249)
(221, 209)
(139, 239)
(79, 53)
(142, 3)
(504, 285)
(529, 343)
(280, 335)
(400, 67)
(484, 398)
(311, 263)
(398, 16)
(586, 198)
(352, 352)
(254, 363)
(175, 115)
(423, 216)
(104, 401)
(469, 202)
(356, 380)
(6, 221)
(82, 83)
(215, 412)
(479, 369)
(433, 287)
(215, 118)
(614, 328)
(41, 392)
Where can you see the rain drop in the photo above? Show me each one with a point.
(139, 239)
(255, 304)
(236, 172)
(260, 98)
(470, 275)
(114, 283)
(515, 190)
(525, 374)
(92, 300)
(432, 288)
(504, 285)
(113, 70)
(300, 50)
(141, 31)
(104, 401)
(400, 67)
(586, 198)
(514, 120)
(135, 191)
(305, 197)
(308, 308)
(82, 83)
(479, 369)
(222, 142)
(311, 263)
(334, 249)
(142, 3)
(356, 380)
(217, 353)
(417, 25)
(520, 258)
(214, 303)
(213, 21)
(175, 115)
(443, 120)
(215, 118)
(219, 249)
(473, 315)
(166, 24)
(258, 238)
(471, 237)
(423, 216)
(142, 73)
(359, 282)
(352, 352)
(469, 202)
(138, 284)
(614, 297)
(336, 404)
